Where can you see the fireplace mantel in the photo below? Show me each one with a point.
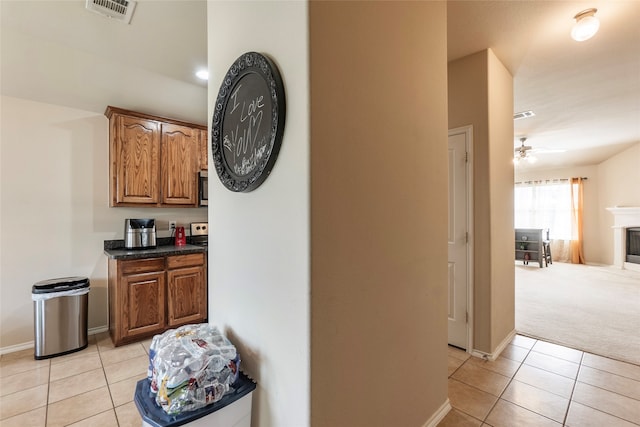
(624, 217)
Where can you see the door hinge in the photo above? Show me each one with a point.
(466, 237)
(466, 157)
(466, 315)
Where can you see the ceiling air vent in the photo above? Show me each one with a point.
(523, 115)
(120, 10)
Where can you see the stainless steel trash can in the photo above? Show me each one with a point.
(60, 316)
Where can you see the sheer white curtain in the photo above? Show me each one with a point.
(546, 205)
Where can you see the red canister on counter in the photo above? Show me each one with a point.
(181, 239)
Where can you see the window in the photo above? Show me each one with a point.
(544, 204)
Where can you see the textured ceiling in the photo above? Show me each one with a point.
(586, 96)
(58, 52)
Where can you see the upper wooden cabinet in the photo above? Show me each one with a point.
(154, 161)
(135, 162)
(204, 144)
(179, 172)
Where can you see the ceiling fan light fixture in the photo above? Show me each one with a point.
(522, 153)
(520, 158)
(586, 25)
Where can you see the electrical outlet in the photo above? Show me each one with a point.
(172, 225)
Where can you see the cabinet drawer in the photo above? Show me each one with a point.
(179, 261)
(141, 265)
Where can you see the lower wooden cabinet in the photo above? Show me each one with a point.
(148, 296)
(187, 298)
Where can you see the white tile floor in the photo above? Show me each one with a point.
(92, 387)
(536, 383)
(533, 383)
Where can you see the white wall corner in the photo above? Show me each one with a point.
(493, 356)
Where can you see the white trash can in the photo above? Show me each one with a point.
(233, 410)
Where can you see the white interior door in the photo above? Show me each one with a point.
(459, 233)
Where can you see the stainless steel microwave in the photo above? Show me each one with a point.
(203, 188)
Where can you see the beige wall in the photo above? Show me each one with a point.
(55, 211)
(343, 275)
(618, 185)
(500, 94)
(480, 93)
(468, 105)
(259, 251)
(379, 212)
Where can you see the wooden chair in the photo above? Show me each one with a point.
(546, 250)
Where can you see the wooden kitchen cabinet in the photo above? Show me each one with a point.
(187, 298)
(135, 165)
(137, 290)
(204, 146)
(179, 173)
(153, 161)
(150, 295)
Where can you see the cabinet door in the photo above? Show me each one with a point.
(135, 161)
(203, 155)
(179, 147)
(187, 299)
(143, 304)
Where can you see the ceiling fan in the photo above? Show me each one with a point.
(525, 152)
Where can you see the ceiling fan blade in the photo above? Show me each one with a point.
(548, 151)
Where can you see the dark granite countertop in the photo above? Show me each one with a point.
(114, 249)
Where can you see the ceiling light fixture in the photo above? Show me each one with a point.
(202, 74)
(522, 153)
(586, 25)
(529, 158)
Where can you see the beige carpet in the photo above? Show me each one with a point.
(591, 308)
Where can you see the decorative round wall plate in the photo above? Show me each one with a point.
(248, 122)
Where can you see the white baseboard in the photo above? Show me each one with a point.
(17, 347)
(439, 415)
(493, 356)
(98, 330)
(505, 342)
(31, 344)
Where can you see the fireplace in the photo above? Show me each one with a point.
(626, 237)
(633, 245)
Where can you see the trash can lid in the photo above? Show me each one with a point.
(60, 284)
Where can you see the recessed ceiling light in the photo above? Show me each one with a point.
(202, 74)
(586, 25)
